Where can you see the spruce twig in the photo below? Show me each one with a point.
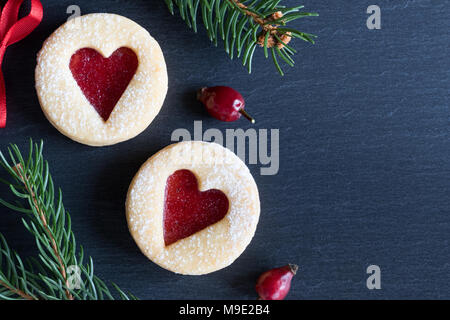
(244, 25)
(45, 217)
(24, 179)
(17, 291)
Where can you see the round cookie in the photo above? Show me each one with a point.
(59, 83)
(216, 169)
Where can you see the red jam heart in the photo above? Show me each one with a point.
(187, 210)
(103, 80)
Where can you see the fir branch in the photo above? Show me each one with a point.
(244, 25)
(47, 220)
(11, 271)
(18, 169)
(16, 291)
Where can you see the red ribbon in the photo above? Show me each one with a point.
(13, 30)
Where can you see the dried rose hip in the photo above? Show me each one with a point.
(275, 284)
(223, 103)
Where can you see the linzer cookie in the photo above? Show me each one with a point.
(193, 207)
(101, 79)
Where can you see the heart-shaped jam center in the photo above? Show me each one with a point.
(103, 80)
(187, 210)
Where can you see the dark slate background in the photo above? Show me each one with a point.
(365, 153)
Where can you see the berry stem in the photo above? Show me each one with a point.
(247, 116)
(294, 268)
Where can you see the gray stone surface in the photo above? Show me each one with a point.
(365, 153)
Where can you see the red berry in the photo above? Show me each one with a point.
(223, 103)
(275, 284)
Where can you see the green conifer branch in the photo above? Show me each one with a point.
(45, 217)
(245, 25)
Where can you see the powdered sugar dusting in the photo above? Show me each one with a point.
(62, 100)
(214, 247)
